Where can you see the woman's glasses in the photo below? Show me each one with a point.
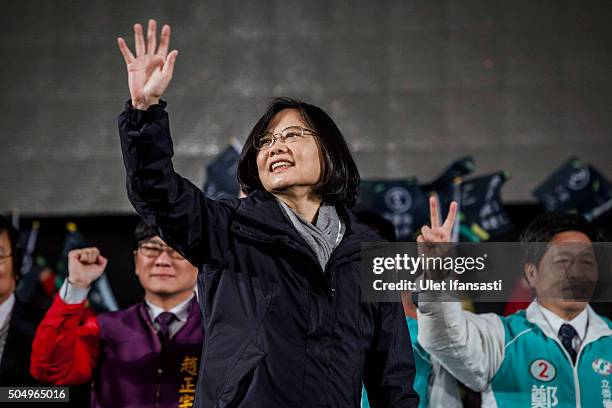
(288, 135)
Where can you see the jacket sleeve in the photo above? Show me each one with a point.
(66, 345)
(389, 366)
(175, 208)
(469, 346)
(443, 388)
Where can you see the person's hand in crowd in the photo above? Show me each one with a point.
(436, 239)
(85, 266)
(150, 71)
(438, 233)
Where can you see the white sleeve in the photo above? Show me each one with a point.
(469, 346)
(443, 388)
(70, 294)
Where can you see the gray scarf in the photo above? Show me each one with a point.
(323, 237)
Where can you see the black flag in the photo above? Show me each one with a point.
(482, 213)
(28, 286)
(221, 173)
(576, 187)
(402, 202)
(447, 186)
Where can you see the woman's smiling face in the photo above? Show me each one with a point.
(289, 165)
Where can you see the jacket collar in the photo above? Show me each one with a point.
(180, 311)
(192, 306)
(596, 326)
(261, 218)
(261, 210)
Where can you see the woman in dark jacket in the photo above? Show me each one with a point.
(283, 318)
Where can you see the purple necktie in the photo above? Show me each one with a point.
(164, 320)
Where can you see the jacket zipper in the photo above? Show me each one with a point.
(574, 370)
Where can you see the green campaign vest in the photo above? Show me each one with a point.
(537, 371)
(421, 363)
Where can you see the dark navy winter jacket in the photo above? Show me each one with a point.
(279, 330)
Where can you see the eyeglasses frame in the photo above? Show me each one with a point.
(279, 135)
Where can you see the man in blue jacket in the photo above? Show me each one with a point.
(556, 353)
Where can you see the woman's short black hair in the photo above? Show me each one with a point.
(5, 225)
(544, 227)
(142, 232)
(339, 183)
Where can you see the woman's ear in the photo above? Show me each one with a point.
(530, 271)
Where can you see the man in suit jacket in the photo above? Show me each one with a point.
(143, 356)
(17, 320)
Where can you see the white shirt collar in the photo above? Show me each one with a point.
(579, 322)
(181, 311)
(5, 309)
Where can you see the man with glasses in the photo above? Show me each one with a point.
(146, 355)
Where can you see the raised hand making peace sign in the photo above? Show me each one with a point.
(150, 72)
(431, 237)
(437, 232)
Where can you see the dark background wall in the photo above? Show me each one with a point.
(520, 85)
